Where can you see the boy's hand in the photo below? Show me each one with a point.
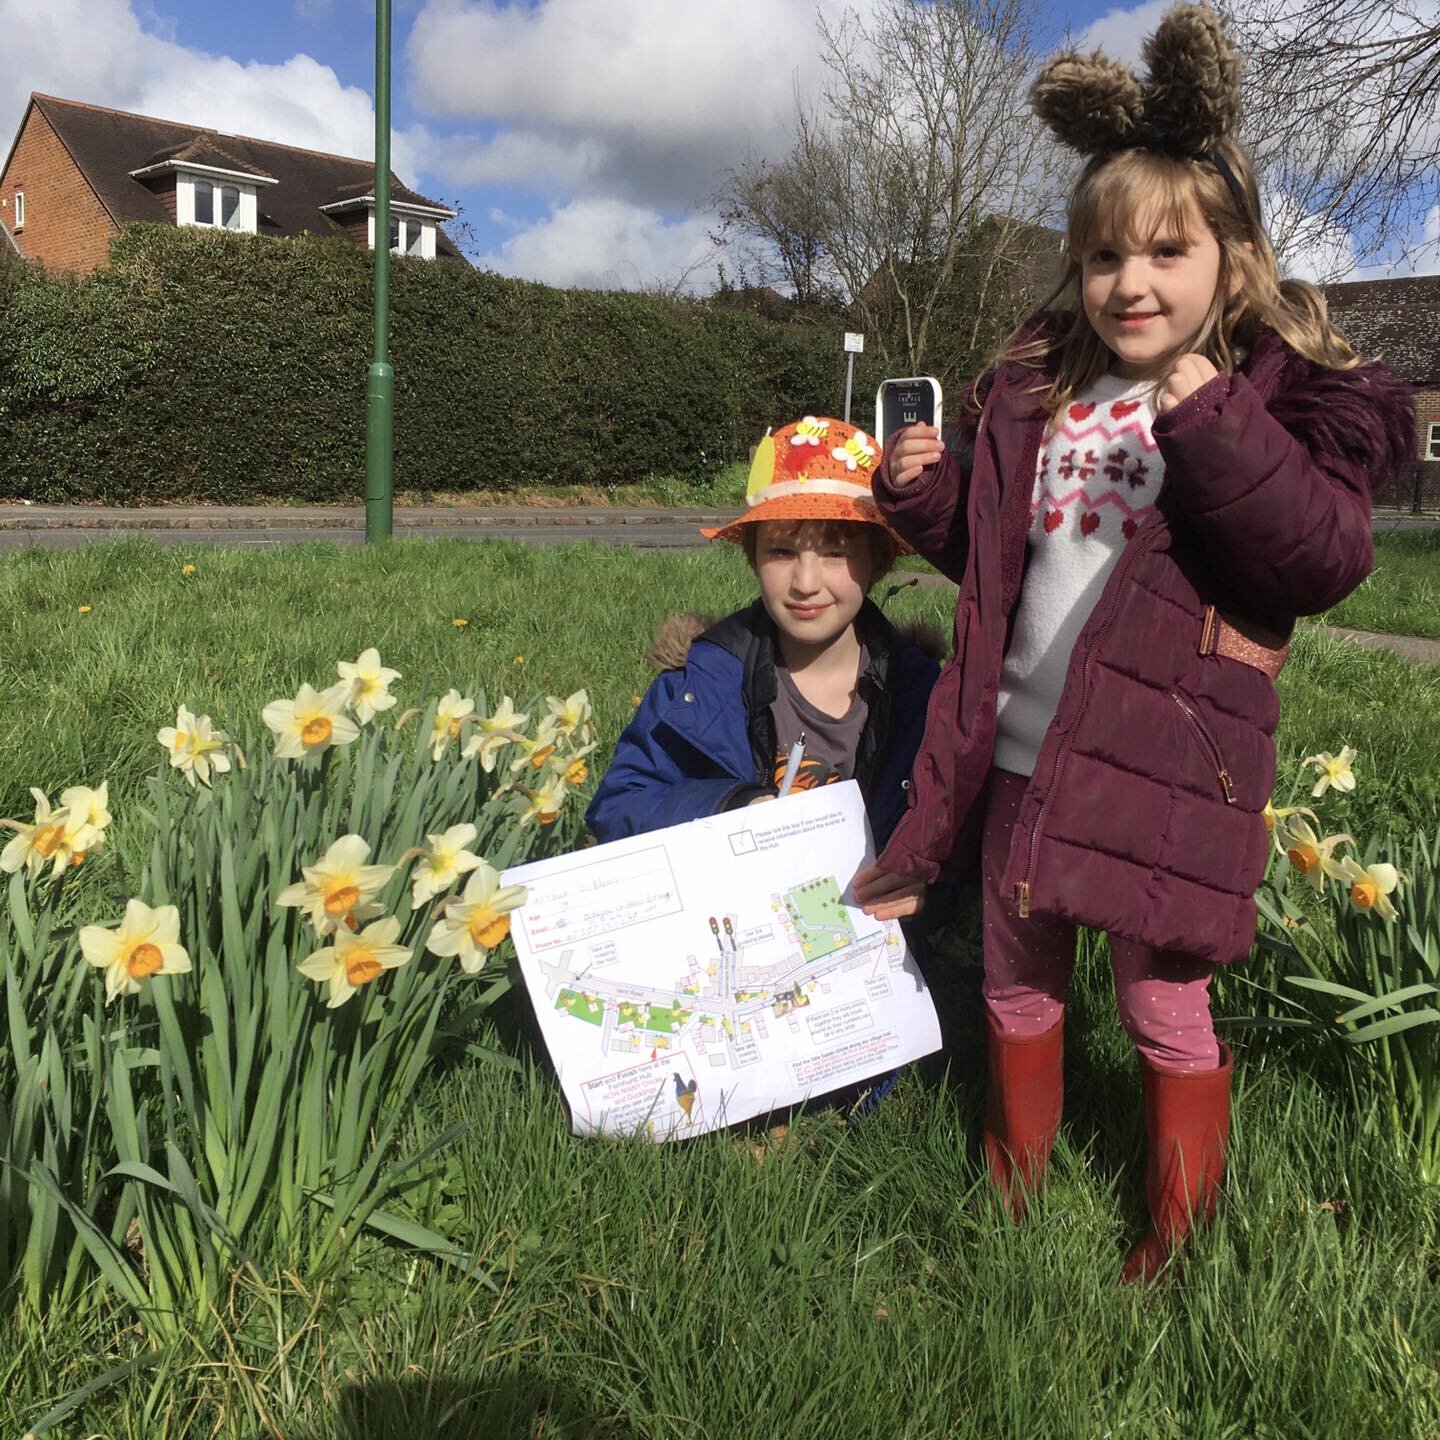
(888, 897)
(1186, 376)
(918, 447)
(761, 799)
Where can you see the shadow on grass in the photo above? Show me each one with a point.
(517, 1406)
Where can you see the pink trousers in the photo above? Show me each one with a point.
(1163, 995)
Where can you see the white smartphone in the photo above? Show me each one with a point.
(913, 401)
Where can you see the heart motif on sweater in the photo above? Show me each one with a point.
(1089, 523)
(1121, 408)
(1081, 412)
(1128, 528)
(1053, 520)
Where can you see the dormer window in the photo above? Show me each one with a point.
(409, 235)
(219, 203)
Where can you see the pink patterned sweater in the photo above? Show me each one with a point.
(1096, 480)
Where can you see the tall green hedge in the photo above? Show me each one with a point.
(228, 368)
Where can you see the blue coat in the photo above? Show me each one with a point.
(703, 738)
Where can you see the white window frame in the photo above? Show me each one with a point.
(249, 211)
(19, 210)
(427, 234)
(1432, 440)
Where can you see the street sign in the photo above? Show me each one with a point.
(854, 344)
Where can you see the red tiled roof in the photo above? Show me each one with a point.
(108, 144)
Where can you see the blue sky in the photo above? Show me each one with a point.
(584, 139)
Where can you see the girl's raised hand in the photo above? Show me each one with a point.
(1187, 375)
(917, 447)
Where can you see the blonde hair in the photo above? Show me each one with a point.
(1114, 194)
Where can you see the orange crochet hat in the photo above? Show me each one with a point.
(815, 469)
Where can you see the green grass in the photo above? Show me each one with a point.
(829, 1281)
(1402, 595)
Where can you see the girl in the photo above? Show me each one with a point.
(1153, 484)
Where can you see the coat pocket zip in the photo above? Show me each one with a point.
(1207, 744)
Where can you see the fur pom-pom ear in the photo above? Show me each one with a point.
(1192, 98)
(1090, 103)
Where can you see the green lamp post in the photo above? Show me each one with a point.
(380, 389)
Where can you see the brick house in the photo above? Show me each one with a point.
(76, 173)
(1398, 321)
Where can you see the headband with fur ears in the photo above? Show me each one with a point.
(1187, 105)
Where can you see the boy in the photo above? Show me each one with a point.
(811, 655)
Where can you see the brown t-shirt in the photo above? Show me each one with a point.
(831, 742)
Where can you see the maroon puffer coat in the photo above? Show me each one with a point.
(1128, 824)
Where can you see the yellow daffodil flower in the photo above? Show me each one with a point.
(1307, 853)
(355, 960)
(145, 943)
(459, 622)
(1334, 770)
(570, 714)
(1370, 886)
(187, 569)
(337, 888)
(453, 714)
(478, 921)
(535, 751)
(311, 722)
(196, 747)
(572, 764)
(39, 844)
(495, 733)
(545, 803)
(369, 684)
(87, 818)
(447, 859)
(84, 609)
(1272, 817)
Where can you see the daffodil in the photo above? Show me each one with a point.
(145, 943)
(87, 817)
(39, 844)
(478, 921)
(545, 803)
(570, 714)
(1274, 817)
(196, 747)
(572, 764)
(1334, 770)
(1307, 853)
(454, 711)
(355, 960)
(535, 750)
(369, 684)
(311, 722)
(337, 889)
(1370, 886)
(447, 859)
(495, 732)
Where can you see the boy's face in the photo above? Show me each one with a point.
(813, 588)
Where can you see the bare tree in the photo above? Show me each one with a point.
(775, 217)
(917, 172)
(1343, 119)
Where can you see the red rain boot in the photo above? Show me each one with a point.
(1022, 1112)
(1187, 1120)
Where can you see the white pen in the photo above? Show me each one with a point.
(792, 765)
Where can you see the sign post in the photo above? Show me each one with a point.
(380, 386)
(854, 345)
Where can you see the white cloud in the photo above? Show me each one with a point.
(607, 244)
(98, 51)
(1120, 32)
(646, 99)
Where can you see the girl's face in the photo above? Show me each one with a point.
(1148, 300)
